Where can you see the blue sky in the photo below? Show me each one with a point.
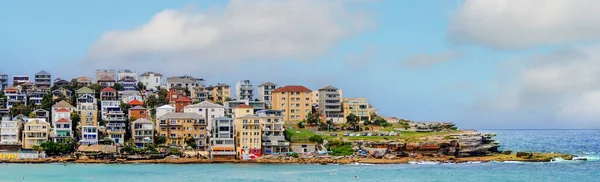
(480, 64)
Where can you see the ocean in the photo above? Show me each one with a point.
(584, 143)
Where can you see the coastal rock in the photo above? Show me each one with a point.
(525, 155)
(389, 156)
(377, 152)
(172, 157)
(507, 152)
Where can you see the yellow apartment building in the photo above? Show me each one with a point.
(35, 132)
(359, 107)
(247, 134)
(294, 101)
(179, 127)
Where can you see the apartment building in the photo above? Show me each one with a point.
(116, 124)
(14, 96)
(272, 126)
(183, 129)
(265, 93)
(61, 121)
(255, 105)
(294, 101)
(88, 111)
(208, 110)
(359, 107)
(35, 132)
(20, 80)
(222, 143)
(106, 81)
(109, 74)
(3, 81)
(36, 96)
(142, 132)
(330, 104)
(247, 133)
(184, 82)
(162, 110)
(10, 131)
(244, 90)
(128, 83)
(43, 80)
(199, 94)
(43, 114)
(151, 80)
(219, 93)
(126, 73)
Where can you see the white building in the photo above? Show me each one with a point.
(162, 110)
(126, 73)
(184, 82)
(265, 93)
(107, 105)
(222, 138)
(244, 90)
(61, 121)
(151, 80)
(10, 131)
(207, 110)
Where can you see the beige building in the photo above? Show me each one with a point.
(247, 133)
(181, 127)
(359, 107)
(295, 101)
(220, 93)
(142, 131)
(35, 132)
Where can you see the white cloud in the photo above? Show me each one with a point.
(558, 89)
(509, 24)
(243, 31)
(427, 60)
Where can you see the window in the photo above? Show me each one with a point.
(283, 98)
(200, 109)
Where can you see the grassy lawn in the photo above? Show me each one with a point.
(299, 135)
(303, 135)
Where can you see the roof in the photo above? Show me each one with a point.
(268, 84)
(243, 106)
(138, 108)
(222, 85)
(60, 81)
(148, 73)
(62, 110)
(62, 103)
(10, 88)
(27, 84)
(328, 87)
(84, 79)
(106, 79)
(135, 102)
(181, 116)
(142, 120)
(205, 104)
(108, 89)
(292, 88)
(182, 79)
(127, 79)
(166, 107)
(43, 72)
(183, 99)
(84, 90)
(62, 120)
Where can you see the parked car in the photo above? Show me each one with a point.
(333, 134)
(346, 134)
(351, 134)
(369, 134)
(364, 134)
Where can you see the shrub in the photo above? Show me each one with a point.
(294, 155)
(386, 124)
(342, 150)
(175, 151)
(316, 139)
(300, 124)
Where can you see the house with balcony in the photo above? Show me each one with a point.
(208, 110)
(244, 90)
(129, 83)
(3, 81)
(199, 94)
(35, 132)
(61, 121)
(20, 79)
(142, 132)
(359, 107)
(181, 102)
(106, 81)
(272, 129)
(126, 73)
(161, 111)
(138, 112)
(115, 128)
(219, 93)
(330, 104)
(85, 81)
(10, 131)
(43, 80)
(42, 114)
(183, 130)
(108, 93)
(222, 142)
(184, 82)
(61, 92)
(151, 80)
(14, 95)
(105, 73)
(37, 96)
(265, 93)
(59, 83)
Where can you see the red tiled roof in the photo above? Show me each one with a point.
(135, 102)
(292, 88)
(62, 120)
(62, 110)
(106, 79)
(183, 99)
(108, 89)
(243, 106)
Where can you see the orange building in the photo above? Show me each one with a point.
(182, 102)
(294, 101)
(138, 112)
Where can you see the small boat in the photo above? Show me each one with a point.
(579, 159)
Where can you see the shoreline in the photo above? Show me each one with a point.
(538, 157)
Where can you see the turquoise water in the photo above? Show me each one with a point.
(581, 142)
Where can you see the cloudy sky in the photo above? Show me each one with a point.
(483, 64)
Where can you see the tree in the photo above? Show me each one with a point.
(47, 102)
(32, 115)
(53, 148)
(352, 119)
(196, 102)
(163, 97)
(75, 119)
(160, 140)
(313, 119)
(124, 106)
(316, 138)
(379, 121)
(97, 88)
(20, 108)
(227, 99)
(118, 87)
(141, 86)
(151, 102)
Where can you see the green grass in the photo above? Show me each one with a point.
(303, 135)
(299, 135)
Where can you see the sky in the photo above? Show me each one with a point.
(482, 64)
